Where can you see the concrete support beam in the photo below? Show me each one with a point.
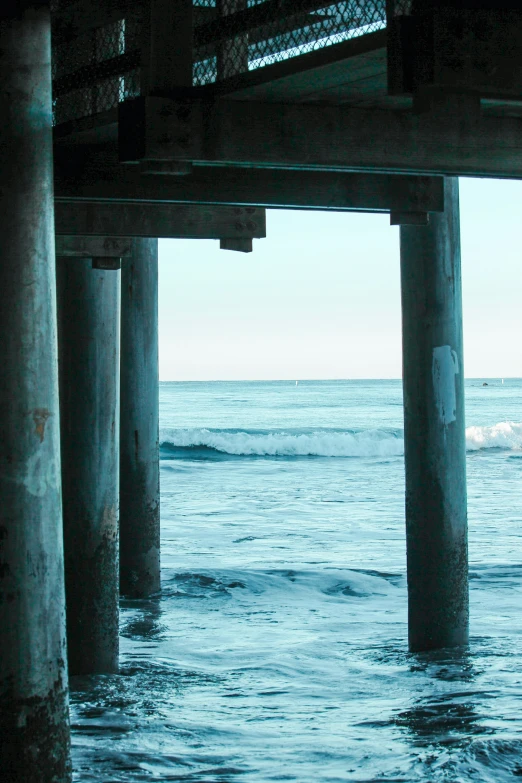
(307, 136)
(34, 724)
(88, 218)
(88, 340)
(102, 178)
(434, 432)
(139, 423)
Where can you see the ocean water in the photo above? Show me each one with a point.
(277, 649)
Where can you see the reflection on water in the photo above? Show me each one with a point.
(451, 717)
(146, 624)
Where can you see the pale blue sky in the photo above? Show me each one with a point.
(319, 297)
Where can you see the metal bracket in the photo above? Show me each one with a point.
(409, 218)
(106, 263)
(239, 245)
(155, 129)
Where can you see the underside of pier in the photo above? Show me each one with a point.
(168, 118)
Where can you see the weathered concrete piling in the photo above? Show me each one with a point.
(34, 729)
(434, 430)
(88, 331)
(139, 446)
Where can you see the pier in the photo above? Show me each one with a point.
(125, 122)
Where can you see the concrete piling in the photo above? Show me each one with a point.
(88, 338)
(34, 726)
(434, 429)
(139, 446)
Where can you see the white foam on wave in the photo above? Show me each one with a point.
(504, 435)
(322, 443)
(329, 443)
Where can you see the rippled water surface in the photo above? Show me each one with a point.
(277, 648)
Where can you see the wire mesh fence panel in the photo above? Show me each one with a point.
(94, 71)
(263, 33)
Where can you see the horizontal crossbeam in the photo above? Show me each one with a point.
(77, 17)
(102, 178)
(93, 74)
(112, 219)
(269, 12)
(306, 136)
(93, 247)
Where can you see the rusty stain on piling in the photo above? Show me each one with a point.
(40, 416)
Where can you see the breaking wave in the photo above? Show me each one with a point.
(200, 443)
(504, 435)
(281, 443)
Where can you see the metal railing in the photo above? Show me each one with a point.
(100, 67)
(271, 31)
(96, 70)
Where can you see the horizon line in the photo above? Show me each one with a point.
(307, 380)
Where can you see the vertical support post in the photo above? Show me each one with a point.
(139, 422)
(34, 724)
(167, 58)
(434, 430)
(88, 342)
(232, 54)
(167, 54)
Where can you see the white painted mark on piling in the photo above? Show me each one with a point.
(41, 475)
(444, 368)
(38, 475)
